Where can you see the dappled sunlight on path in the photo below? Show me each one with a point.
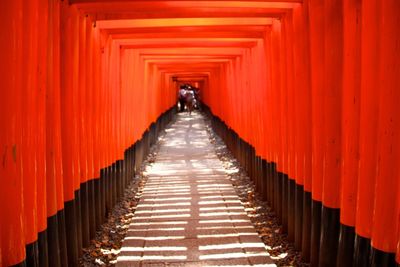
(189, 213)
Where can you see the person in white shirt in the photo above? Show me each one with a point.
(182, 98)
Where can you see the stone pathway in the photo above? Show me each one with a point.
(189, 213)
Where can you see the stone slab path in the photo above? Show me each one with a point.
(189, 213)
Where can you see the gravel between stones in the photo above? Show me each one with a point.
(261, 215)
(104, 249)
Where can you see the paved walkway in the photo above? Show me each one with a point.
(189, 213)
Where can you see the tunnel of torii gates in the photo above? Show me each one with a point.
(306, 93)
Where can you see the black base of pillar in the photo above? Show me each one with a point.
(362, 251)
(53, 241)
(32, 254)
(346, 246)
(316, 208)
(264, 189)
(83, 191)
(108, 192)
(330, 228)
(298, 215)
(43, 249)
(114, 186)
(92, 209)
(291, 209)
(279, 193)
(119, 175)
(380, 258)
(97, 202)
(71, 233)
(285, 203)
(103, 195)
(62, 238)
(78, 208)
(272, 185)
(306, 241)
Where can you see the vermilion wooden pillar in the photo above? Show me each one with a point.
(53, 138)
(387, 185)
(317, 55)
(303, 122)
(303, 125)
(284, 129)
(277, 89)
(298, 120)
(54, 110)
(268, 114)
(288, 29)
(76, 111)
(67, 130)
(41, 132)
(30, 92)
(12, 244)
(274, 123)
(350, 128)
(82, 120)
(90, 103)
(96, 105)
(332, 154)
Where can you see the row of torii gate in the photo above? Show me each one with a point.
(311, 87)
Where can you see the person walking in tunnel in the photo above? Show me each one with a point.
(196, 92)
(190, 100)
(182, 98)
